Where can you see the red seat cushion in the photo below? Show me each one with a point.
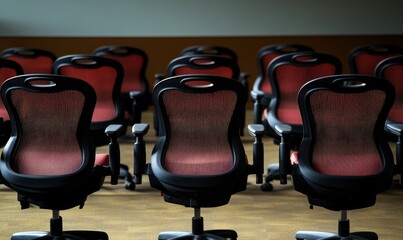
(102, 159)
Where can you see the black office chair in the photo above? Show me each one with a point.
(287, 74)
(32, 60)
(105, 76)
(8, 69)
(199, 160)
(391, 69)
(135, 92)
(218, 51)
(261, 90)
(363, 59)
(50, 160)
(344, 159)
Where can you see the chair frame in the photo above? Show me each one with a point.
(289, 135)
(260, 98)
(44, 191)
(196, 187)
(140, 99)
(309, 182)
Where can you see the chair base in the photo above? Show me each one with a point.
(125, 173)
(314, 235)
(206, 235)
(66, 235)
(273, 173)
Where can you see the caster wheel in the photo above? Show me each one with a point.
(266, 187)
(130, 186)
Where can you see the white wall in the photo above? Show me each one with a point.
(160, 18)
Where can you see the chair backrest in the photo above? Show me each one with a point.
(344, 147)
(198, 126)
(391, 69)
(203, 64)
(32, 60)
(363, 59)
(105, 76)
(288, 73)
(266, 55)
(8, 69)
(134, 62)
(50, 144)
(210, 50)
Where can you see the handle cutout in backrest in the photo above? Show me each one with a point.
(85, 61)
(284, 50)
(196, 84)
(39, 82)
(119, 51)
(304, 58)
(202, 61)
(349, 83)
(379, 49)
(25, 53)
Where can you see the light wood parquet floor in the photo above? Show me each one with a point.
(142, 214)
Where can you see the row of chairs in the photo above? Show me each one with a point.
(204, 84)
(58, 173)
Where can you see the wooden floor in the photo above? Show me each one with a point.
(142, 214)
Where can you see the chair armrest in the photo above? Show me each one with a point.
(285, 132)
(260, 101)
(243, 77)
(395, 128)
(113, 131)
(139, 130)
(134, 94)
(257, 131)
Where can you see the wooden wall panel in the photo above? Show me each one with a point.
(162, 50)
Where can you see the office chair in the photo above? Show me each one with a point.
(261, 90)
(287, 74)
(219, 51)
(205, 64)
(391, 69)
(32, 60)
(49, 159)
(105, 76)
(363, 59)
(135, 92)
(8, 69)
(199, 160)
(344, 160)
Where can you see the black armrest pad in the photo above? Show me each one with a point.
(395, 128)
(256, 129)
(134, 94)
(283, 129)
(140, 129)
(114, 130)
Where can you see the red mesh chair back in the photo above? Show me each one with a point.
(364, 59)
(344, 146)
(135, 93)
(288, 73)
(203, 64)
(30, 59)
(50, 117)
(134, 62)
(210, 50)
(392, 70)
(8, 69)
(344, 160)
(198, 131)
(104, 75)
(266, 55)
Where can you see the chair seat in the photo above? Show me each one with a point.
(102, 159)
